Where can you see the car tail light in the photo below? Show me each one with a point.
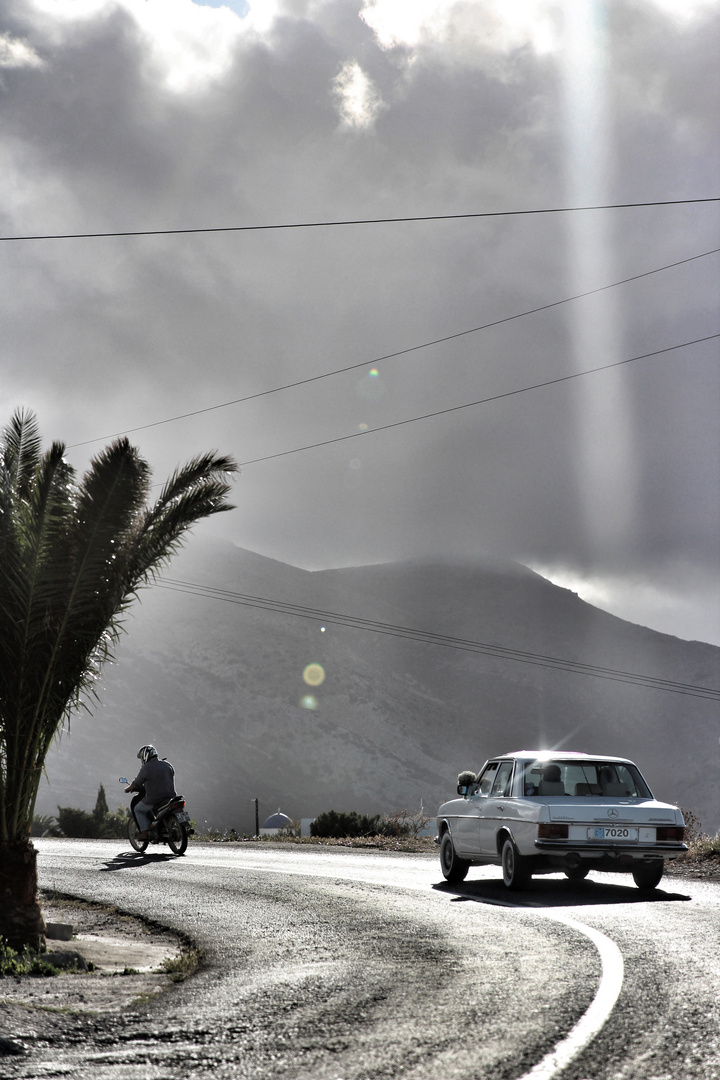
(552, 831)
(671, 832)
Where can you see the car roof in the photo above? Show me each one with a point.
(564, 755)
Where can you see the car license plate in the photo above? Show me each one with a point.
(612, 832)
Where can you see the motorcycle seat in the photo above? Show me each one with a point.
(161, 807)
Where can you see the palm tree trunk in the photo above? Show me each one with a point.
(21, 920)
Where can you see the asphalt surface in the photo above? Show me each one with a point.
(352, 965)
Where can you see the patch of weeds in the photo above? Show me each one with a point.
(27, 962)
(180, 967)
(702, 859)
(705, 847)
(211, 834)
(382, 843)
(693, 827)
(129, 971)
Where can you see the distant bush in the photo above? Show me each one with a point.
(45, 825)
(338, 824)
(78, 823)
(407, 822)
(334, 823)
(99, 824)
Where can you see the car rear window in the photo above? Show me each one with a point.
(584, 779)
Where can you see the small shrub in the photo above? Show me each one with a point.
(693, 827)
(334, 823)
(179, 967)
(408, 823)
(215, 835)
(26, 962)
(393, 825)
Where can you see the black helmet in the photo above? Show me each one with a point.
(146, 752)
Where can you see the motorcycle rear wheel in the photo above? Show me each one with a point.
(177, 836)
(132, 830)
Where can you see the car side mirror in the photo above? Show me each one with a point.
(466, 780)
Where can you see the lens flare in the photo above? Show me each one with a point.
(308, 702)
(314, 674)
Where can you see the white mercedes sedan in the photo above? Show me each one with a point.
(544, 812)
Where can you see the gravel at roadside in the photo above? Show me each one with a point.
(126, 958)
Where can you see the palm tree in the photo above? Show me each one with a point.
(72, 556)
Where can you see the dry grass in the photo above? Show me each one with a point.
(702, 858)
(381, 843)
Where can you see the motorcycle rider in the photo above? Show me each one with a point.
(157, 779)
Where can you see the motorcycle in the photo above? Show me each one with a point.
(170, 824)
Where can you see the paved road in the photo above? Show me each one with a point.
(346, 965)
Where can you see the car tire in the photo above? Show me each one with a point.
(647, 875)
(454, 869)
(577, 873)
(516, 874)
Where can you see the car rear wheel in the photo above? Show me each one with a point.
(454, 869)
(647, 875)
(516, 874)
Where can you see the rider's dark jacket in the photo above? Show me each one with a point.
(158, 779)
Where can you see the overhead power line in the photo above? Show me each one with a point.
(444, 640)
(356, 221)
(400, 352)
(472, 404)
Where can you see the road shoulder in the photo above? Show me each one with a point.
(130, 962)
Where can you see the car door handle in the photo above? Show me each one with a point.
(499, 806)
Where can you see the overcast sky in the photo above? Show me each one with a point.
(144, 115)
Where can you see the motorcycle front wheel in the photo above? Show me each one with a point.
(132, 830)
(177, 836)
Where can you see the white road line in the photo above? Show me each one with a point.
(596, 1015)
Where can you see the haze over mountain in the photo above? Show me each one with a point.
(217, 685)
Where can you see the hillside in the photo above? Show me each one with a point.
(218, 686)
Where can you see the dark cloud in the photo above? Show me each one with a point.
(616, 474)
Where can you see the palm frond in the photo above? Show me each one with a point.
(197, 491)
(21, 448)
(198, 470)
